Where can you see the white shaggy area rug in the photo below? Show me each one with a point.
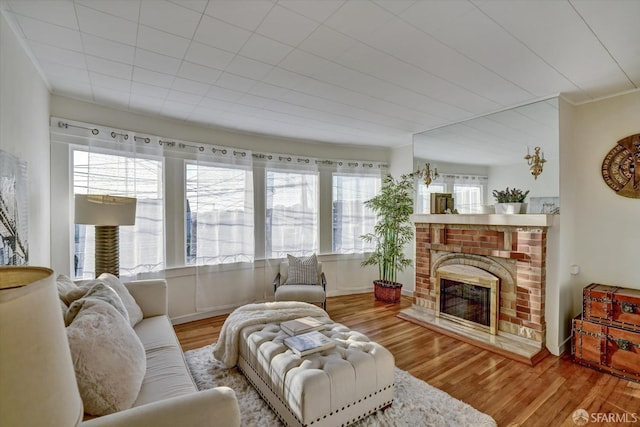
(416, 402)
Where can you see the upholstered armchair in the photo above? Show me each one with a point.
(290, 290)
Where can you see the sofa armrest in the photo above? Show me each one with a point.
(151, 296)
(215, 407)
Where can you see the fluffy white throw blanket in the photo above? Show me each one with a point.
(226, 349)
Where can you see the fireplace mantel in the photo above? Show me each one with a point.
(523, 220)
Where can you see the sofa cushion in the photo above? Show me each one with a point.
(100, 291)
(108, 358)
(135, 313)
(303, 270)
(167, 374)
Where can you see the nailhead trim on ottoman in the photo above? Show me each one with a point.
(330, 388)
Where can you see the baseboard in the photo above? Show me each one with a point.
(203, 314)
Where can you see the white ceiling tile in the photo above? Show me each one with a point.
(286, 26)
(267, 90)
(395, 6)
(223, 94)
(48, 53)
(317, 10)
(108, 67)
(235, 82)
(184, 97)
(481, 39)
(161, 42)
(156, 62)
(198, 73)
(109, 82)
(216, 33)
(204, 116)
(358, 19)
(58, 12)
(254, 101)
(127, 9)
(246, 14)
(169, 17)
(217, 104)
(50, 34)
(196, 5)
(80, 75)
(265, 50)
(108, 49)
(616, 26)
(327, 43)
(190, 86)
(107, 26)
(249, 68)
(147, 90)
(208, 56)
(564, 41)
(143, 75)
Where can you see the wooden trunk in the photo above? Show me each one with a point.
(607, 348)
(612, 305)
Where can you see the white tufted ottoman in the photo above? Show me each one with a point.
(331, 388)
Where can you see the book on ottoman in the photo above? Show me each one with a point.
(301, 325)
(309, 343)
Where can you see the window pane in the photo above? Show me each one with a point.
(292, 213)
(467, 198)
(219, 218)
(423, 198)
(351, 219)
(141, 245)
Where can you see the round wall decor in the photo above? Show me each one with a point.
(621, 167)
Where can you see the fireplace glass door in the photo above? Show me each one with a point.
(466, 301)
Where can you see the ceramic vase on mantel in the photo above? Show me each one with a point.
(510, 208)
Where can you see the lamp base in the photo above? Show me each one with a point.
(107, 250)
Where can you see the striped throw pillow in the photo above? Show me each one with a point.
(303, 270)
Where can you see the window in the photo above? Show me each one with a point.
(291, 221)
(351, 219)
(141, 245)
(468, 198)
(219, 217)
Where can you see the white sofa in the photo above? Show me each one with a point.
(168, 396)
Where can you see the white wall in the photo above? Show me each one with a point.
(519, 176)
(24, 132)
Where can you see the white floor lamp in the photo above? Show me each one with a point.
(107, 213)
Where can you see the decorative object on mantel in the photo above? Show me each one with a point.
(427, 174)
(393, 230)
(510, 201)
(621, 167)
(535, 161)
(441, 202)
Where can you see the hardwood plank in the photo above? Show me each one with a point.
(513, 393)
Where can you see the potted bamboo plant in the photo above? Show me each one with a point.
(392, 207)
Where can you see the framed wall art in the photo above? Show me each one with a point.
(14, 210)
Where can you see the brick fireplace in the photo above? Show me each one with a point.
(511, 248)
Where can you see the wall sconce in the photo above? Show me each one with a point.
(535, 161)
(427, 174)
(106, 213)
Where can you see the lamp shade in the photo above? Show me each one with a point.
(37, 379)
(98, 209)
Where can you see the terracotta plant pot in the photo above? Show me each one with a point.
(387, 291)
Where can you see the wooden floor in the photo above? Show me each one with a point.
(512, 393)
